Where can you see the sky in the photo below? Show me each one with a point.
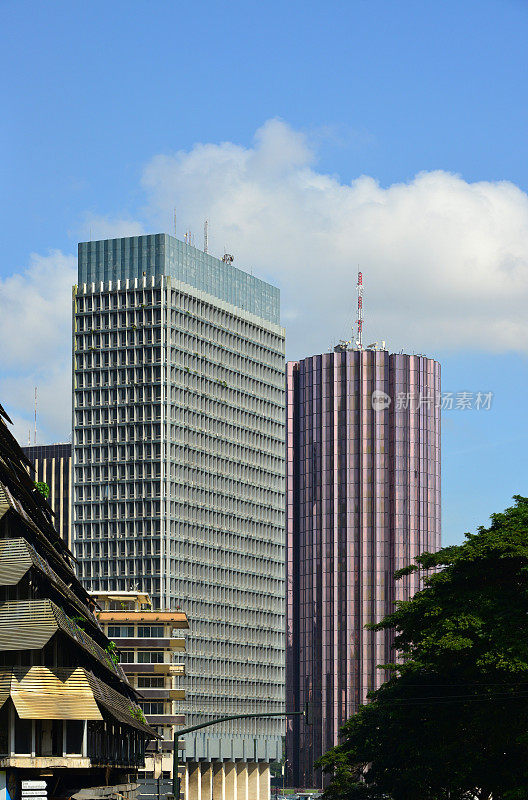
(315, 137)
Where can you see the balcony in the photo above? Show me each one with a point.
(178, 619)
(162, 694)
(165, 746)
(154, 669)
(150, 644)
(165, 719)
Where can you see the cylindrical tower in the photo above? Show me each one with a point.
(363, 495)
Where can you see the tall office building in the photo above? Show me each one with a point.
(52, 464)
(363, 499)
(178, 465)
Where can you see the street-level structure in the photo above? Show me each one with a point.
(363, 500)
(69, 720)
(178, 468)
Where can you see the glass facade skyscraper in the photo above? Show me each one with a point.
(178, 467)
(363, 499)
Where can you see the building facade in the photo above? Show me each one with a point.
(178, 467)
(52, 464)
(151, 650)
(70, 724)
(363, 499)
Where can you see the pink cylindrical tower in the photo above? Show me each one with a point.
(363, 500)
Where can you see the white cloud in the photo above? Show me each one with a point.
(96, 226)
(35, 331)
(99, 227)
(35, 310)
(445, 262)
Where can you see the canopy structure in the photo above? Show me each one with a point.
(17, 556)
(30, 624)
(42, 693)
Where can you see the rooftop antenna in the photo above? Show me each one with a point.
(174, 223)
(206, 236)
(35, 438)
(359, 342)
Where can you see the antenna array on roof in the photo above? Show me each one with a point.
(359, 341)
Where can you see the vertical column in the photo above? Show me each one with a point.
(253, 781)
(242, 780)
(60, 509)
(219, 781)
(264, 781)
(230, 780)
(194, 781)
(70, 490)
(207, 781)
(53, 467)
(185, 783)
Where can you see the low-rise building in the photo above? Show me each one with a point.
(150, 648)
(70, 724)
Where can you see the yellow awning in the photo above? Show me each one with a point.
(43, 693)
(40, 694)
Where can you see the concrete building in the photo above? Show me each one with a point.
(363, 499)
(151, 651)
(52, 463)
(70, 726)
(178, 467)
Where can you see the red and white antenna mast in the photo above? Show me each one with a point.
(359, 341)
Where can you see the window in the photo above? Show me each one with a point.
(127, 656)
(74, 736)
(22, 735)
(151, 631)
(122, 605)
(116, 631)
(152, 708)
(150, 657)
(157, 682)
(4, 729)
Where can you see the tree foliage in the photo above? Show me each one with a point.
(452, 722)
(43, 488)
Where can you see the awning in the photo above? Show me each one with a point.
(4, 502)
(41, 693)
(30, 624)
(119, 706)
(17, 556)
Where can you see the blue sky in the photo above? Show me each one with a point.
(103, 101)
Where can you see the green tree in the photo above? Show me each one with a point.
(452, 722)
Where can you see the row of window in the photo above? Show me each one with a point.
(118, 298)
(146, 656)
(227, 327)
(143, 631)
(154, 707)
